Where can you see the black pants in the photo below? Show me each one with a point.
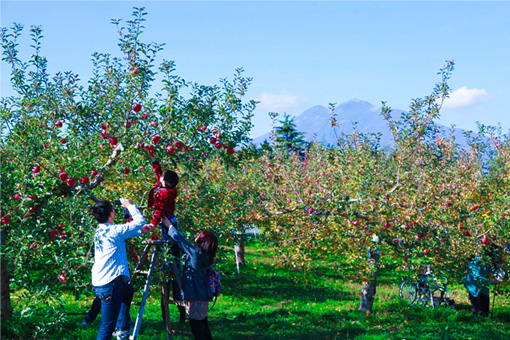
(200, 329)
(480, 304)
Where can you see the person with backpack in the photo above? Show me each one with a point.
(196, 289)
(480, 275)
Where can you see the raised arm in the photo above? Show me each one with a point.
(133, 228)
(188, 248)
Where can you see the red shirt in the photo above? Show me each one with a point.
(161, 198)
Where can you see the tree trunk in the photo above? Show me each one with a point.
(368, 294)
(369, 290)
(5, 289)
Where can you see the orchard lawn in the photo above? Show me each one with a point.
(267, 301)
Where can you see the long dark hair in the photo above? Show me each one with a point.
(207, 242)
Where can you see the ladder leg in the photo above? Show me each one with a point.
(145, 295)
(166, 310)
(140, 264)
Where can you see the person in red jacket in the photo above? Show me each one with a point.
(162, 197)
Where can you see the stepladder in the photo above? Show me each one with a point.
(149, 261)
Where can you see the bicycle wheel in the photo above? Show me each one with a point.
(408, 291)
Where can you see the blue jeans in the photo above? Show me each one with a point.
(116, 299)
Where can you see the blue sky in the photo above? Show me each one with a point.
(301, 54)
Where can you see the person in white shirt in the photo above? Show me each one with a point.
(110, 272)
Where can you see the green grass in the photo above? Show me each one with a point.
(270, 302)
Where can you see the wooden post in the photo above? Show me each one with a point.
(239, 248)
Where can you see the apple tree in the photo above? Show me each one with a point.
(66, 144)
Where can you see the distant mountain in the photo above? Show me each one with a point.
(315, 123)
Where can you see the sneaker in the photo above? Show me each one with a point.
(124, 334)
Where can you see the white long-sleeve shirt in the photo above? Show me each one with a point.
(110, 258)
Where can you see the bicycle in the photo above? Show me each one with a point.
(423, 289)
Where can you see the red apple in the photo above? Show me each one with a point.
(485, 240)
(309, 246)
(355, 222)
(104, 126)
(63, 278)
(203, 128)
(436, 251)
(217, 145)
(84, 180)
(448, 204)
(94, 172)
(63, 140)
(63, 236)
(289, 201)
(36, 169)
(46, 145)
(114, 141)
(467, 233)
(230, 151)
(53, 233)
(63, 176)
(406, 227)
(154, 237)
(71, 182)
(213, 140)
(145, 116)
(310, 211)
(170, 149)
(154, 123)
(126, 171)
(387, 225)
(17, 197)
(31, 197)
(417, 237)
(179, 145)
(135, 71)
(156, 139)
(127, 124)
(137, 107)
(426, 251)
(58, 124)
(60, 227)
(32, 209)
(6, 220)
(475, 207)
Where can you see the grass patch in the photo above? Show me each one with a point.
(266, 301)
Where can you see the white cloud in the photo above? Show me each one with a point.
(280, 103)
(465, 97)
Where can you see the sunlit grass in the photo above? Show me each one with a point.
(267, 301)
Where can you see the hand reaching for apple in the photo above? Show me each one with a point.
(125, 202)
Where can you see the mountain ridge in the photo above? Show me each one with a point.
(354, 114)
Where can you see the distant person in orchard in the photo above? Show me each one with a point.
(196, 289)
(110, 272)
(162, 197)
(480, 276)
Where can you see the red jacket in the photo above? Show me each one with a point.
(161, 198)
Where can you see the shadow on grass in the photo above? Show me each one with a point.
(265, 281)
(283, 324)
